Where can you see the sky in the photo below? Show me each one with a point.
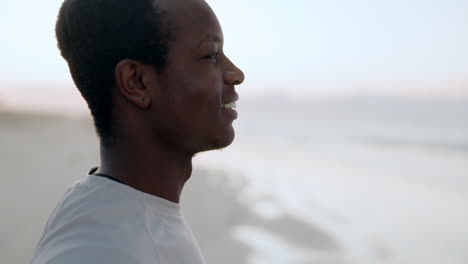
(294, 46)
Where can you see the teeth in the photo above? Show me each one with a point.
(230, 105)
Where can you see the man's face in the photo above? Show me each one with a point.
(197, 81)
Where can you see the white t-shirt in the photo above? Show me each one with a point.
(100, 221)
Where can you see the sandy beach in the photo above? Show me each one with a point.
(44, 154)
(323, 182)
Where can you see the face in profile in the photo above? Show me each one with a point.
(192, 109)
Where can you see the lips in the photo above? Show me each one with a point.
(230, 103)
(229, 106)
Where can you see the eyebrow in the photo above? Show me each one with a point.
(210, 37)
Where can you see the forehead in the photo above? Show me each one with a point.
(193, 21)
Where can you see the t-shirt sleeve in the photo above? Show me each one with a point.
(93, 241)
(89, 255)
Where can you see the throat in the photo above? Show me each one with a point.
(154, 173)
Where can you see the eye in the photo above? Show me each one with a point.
(212, 56)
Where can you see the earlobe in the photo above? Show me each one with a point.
(129, 82)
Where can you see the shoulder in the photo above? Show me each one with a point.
(88, 205)
(97, 225)
(92, 254)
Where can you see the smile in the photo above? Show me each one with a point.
(231, 105)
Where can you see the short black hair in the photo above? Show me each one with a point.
(94, 35)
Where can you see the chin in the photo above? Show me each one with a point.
(226, 142)
(221, 141)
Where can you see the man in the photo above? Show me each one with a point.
(160, 90)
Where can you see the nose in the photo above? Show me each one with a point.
(233, 75)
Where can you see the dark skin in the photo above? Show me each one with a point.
(165, 118)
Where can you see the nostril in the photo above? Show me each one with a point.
(235, 78)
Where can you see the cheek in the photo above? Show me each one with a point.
(203, 107)
(197, 103)
(201, 92)
(196, 91)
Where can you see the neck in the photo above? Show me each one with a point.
(157, 171)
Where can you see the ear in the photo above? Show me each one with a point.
(130, 82)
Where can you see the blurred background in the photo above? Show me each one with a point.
(351, 145)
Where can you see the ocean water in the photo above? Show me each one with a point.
(386, 178)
